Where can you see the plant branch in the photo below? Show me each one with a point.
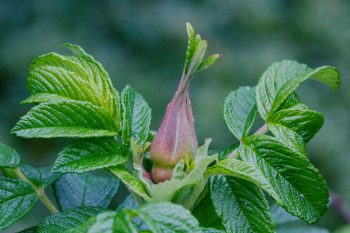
(38, 190)
(262, 130)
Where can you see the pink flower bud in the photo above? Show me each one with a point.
(176, 138)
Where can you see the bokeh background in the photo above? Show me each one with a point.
(143, 43)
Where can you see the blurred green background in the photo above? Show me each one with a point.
(143, 43)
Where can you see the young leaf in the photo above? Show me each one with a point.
(241, 206)
(167, 217)
(302, 190)
(68, 219)
(9, 158)
(243, 170)
(41, 177)
(240, 111)
(282, 78)
(17, 198)
(300, 119)
(81, 87)
(130, 181)
(90, 154)
(73, 190)
(136, 117)
(65, 119)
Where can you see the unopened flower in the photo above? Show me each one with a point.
(176, 138)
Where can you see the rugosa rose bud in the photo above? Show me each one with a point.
(176, 138)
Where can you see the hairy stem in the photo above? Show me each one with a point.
(38, 190)
(262, 130)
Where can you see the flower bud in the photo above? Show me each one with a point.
(176, 138)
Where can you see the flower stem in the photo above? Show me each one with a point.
(262, 130)
(38, 190)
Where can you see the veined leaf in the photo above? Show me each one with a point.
(241, 205)
(167, 217)
(300, 119)
(106, 222)
(68, 219)
(136, 117)
(89, 154)
(17, 198)
(73, 190)
(211, 230)
(98, 77)
(205, 213)
(75, 79)
(240, 111)
(282, 78)
(243, 170)
(40, 176)
(65, 119)
(8, 157)
(301, 189)
(130, 181)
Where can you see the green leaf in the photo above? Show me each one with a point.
(300, 119)
(301, 229)
(130, 181)
(282, 78)
(106, 222)
(128, 203)
(302, 190)
(68, 219)
(241, 205)
(17, 198)
(280, 216)
(211, 230)
(240, 111)
(168, 217)
(40, 176)
(136, 117)
(81, 93)
(89, 154)
(205, 213)
(9, 158)
(33, 229)
(289, 138)
(65, 119)
(73, 190)
(243, 170)
(208, 62)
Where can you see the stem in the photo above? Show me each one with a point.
(262, 130)
(38, 190)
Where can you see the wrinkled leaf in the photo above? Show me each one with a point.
(8, 157)
(282, 78)
(65, 119)
(17, 198)
(240, 111)
(68, 219)
(136, 117)
(89, 154)
(78, 190)
(240, 205)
